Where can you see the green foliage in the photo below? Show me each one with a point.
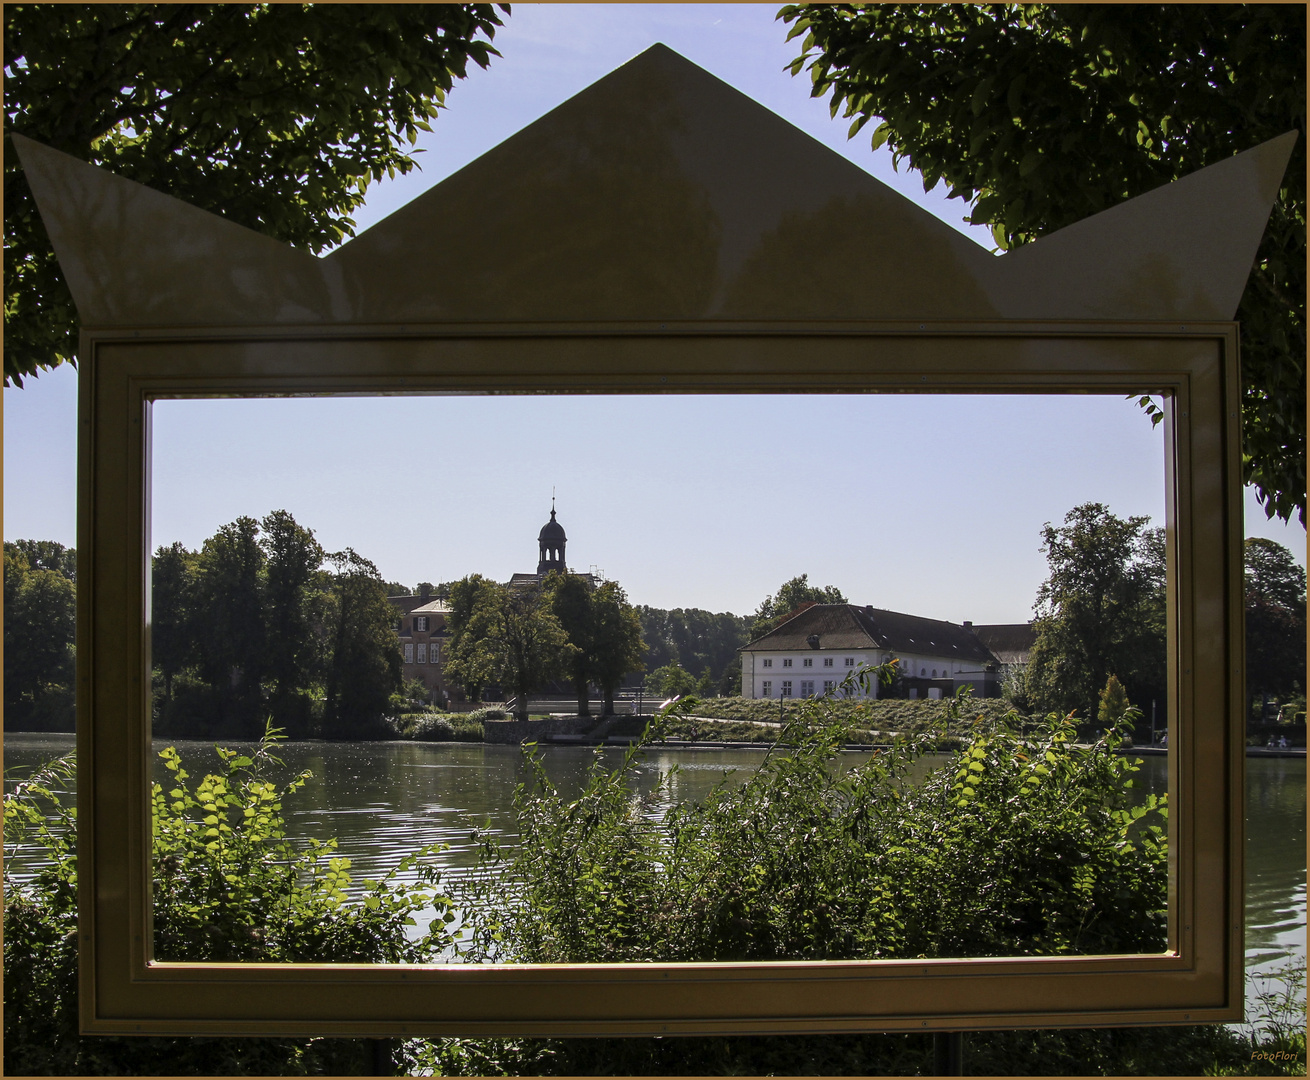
(277, 116)
(172, 613)
(254, 625)
(1040, 115)
(1275, 621)
(510, 635)
(229, 885)
(364, 669)
(1271, 574)
(791, 595)
(45, 555)
(603, 630)
(294, 604)
(1099, 612)
(1024, 845)
(228, 623)
(569, 597)
(881, 716)
(434, 726)
(698, 728)
(617, 648)
(670, 681)
(470, 663)
(1114, 703)
(696, 640)
(40, 601)
(1145, 1051)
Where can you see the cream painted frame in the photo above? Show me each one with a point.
(1201, 977)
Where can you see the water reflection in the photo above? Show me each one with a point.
(1275, 861)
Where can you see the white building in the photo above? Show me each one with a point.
(820, 644)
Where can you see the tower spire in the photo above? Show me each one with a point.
(550, 542)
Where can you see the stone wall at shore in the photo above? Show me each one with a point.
(521, 731)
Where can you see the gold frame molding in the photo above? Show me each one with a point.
(1194, 367)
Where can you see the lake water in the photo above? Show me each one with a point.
(381, 800)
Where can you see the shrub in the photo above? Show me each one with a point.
(884, 716)
(433, 726)
(489, 713)
(229, 885)
(1020, 847)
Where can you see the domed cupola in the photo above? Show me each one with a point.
(551, 541)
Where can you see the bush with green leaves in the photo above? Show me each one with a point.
(229, 885)
(434, 726)
(1025, 844)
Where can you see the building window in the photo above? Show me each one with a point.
(435, 653)
(422, 653)
(768, 688)
(827, 686)
(807, 688)
(786, 688)
(787, 662)
(766, 662)
(827, 661)
(934, 673)
(922, 672)
(850, 661)
(409, 654)
(420, 622)
(808, 662)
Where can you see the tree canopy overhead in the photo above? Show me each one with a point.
(1041, 115)
(275, 116)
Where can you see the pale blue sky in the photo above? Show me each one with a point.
(927, 505)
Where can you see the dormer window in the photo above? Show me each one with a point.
(420, 622)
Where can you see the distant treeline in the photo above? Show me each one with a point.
(689, 650)
(261, 623)
(40, 617)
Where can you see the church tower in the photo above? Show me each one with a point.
(551, 541)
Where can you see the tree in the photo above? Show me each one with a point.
(363, 668)
(469, 661)
(40, 619)
(617, 647)
(276, 116)
(292, 609)
(526, 644)
(1097, 612)
(230, 629)
(694, 638)
(47, 555)
(1275, 621)
(604, 630)
(671, 680)
(172, 612)
(791, 595)
(1041, 115)
(570, 597)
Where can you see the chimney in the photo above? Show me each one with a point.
(968, 625)
(426, 593)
